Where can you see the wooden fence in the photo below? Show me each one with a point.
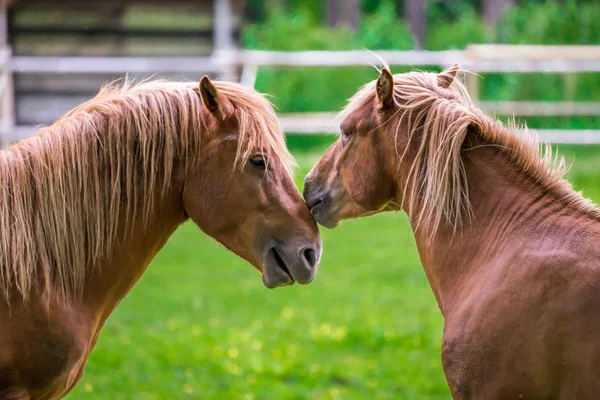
(476, 58)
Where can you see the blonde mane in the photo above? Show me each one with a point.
(62, 192)
(436, 191)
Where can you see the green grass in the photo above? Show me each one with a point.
(201, 325)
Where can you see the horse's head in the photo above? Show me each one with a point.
(241, 191)
(362, 172)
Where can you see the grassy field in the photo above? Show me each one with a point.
(201, 325)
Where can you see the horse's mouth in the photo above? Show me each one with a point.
(276, 272)
(322, 215)
(281, 264)
(322, 211)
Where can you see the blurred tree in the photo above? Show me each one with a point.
(449, 10)
(370, 6)
(493, 10)
(456, 29)
(314, 8)
(382, 29)
(254, 10)
(414, 12)
(343, 12)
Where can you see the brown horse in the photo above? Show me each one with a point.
(511, 252)
(87, 203)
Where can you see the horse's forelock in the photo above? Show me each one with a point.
(260, 130)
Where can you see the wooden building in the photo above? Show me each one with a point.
(54, 54)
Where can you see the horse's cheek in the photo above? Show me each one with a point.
(362, 186)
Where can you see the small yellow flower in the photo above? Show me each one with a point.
(88, 387)
(187, 388)
(233, 352)
(339, 333)
(233, 369)
(287, 313)
(256, 345)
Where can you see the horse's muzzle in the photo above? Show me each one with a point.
(283, 268)
(320, 204)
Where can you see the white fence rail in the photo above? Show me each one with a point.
(476, 58)
(112, 65)
(309, 123)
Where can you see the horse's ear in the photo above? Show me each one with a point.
(385, 88)
(214, 101)
(446, 77)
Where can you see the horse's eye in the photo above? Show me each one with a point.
(258, 161)
(345, 134)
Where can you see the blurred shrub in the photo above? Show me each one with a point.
(446, 34)
(298, 31)
(383, 30)
(323, 89)
(551, 22)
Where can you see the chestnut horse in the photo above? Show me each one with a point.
(510, 251)
(87, 203)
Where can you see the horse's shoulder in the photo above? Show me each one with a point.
(38, 351)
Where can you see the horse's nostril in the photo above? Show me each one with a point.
(314, 202)
(309, 258)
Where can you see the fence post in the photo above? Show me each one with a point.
(471, 78)
(570, 82)
(224, 49)
(7, 101)
(472, 84)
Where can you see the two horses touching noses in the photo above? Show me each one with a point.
(88, 202)
(511, 252)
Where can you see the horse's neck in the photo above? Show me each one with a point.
(508, 208)
(128, 259)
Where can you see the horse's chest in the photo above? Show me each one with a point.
(493, 359)
(41, 362)
(475, 367)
